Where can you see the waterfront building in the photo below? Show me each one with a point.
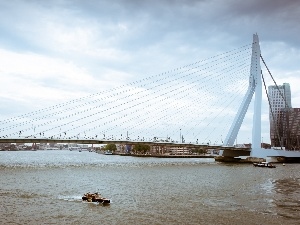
(280, 99)
(289, 128)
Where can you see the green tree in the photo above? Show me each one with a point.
(141, 148)
(111, 147)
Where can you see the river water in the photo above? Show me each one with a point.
(45, 187)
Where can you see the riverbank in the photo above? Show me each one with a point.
(167, 156)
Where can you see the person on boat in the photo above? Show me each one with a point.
(89, 197)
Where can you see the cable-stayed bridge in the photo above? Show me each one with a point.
(196, 101)
(195, 104)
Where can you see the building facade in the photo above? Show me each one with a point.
(289, 128)
(280, 102)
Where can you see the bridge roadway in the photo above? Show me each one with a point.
(122, 142)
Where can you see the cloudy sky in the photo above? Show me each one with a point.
(58, 50)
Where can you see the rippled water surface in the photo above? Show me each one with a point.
(45, 187)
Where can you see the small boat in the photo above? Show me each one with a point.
(108, 153)
(96, 197)
(264, 164)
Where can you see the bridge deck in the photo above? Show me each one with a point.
(122, 142)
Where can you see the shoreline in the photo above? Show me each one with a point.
(167, 156)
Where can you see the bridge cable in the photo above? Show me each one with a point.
(102, 104)
(272, 113)
(107, 91)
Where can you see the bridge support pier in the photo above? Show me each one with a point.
(235, 153)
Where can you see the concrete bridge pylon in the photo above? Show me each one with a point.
(255, 86)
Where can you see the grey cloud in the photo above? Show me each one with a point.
(273, 19)
(187, 22)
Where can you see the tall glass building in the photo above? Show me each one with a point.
(289, 121)
(280, 100)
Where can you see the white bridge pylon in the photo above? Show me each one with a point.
(255, 86)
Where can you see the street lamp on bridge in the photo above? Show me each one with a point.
(180, 136)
